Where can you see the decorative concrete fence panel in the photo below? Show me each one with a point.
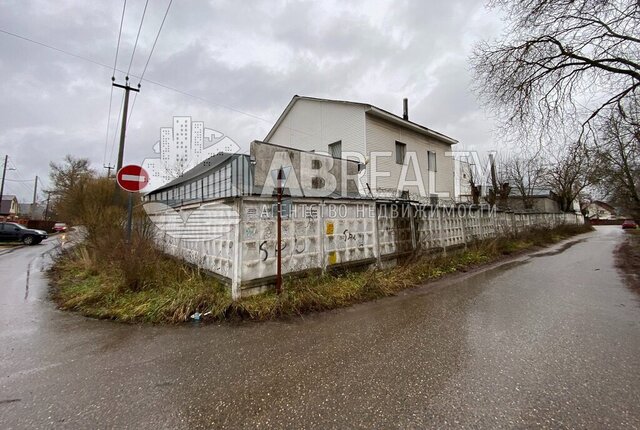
(237, 238)
(428, 230)
(203, 235)
(349, 232)
(300, 248)
(395, 229)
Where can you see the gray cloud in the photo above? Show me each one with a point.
(242, 60)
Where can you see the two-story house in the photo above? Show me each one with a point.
(401, 157)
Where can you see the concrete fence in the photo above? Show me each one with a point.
(236, 239)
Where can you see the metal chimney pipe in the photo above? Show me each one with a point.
(405, 109)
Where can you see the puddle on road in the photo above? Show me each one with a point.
(559, 250)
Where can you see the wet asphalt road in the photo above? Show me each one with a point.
(547, 341)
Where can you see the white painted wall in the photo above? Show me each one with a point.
(382, 136)
(312, 125)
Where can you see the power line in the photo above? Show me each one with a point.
(115, 62)
(115, 135)
(159, 84)
(155, 41)
(113, 75)
(137, 36)
(106, 139)
(153, 47)
(21, 179)
(133, 104)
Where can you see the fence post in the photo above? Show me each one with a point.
(237, 250)
(441, 233)
(413, 228)
(462, 226)
(376, 236)
(321, 236)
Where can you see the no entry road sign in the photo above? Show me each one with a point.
(132, 178)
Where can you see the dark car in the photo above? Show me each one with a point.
(13, 232)
(629, 223)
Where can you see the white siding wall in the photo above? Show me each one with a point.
(382, 136)
(312, 125)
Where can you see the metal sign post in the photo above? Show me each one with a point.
(129, 217)
(131, 178)
(280, 177)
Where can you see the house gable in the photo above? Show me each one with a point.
(311, 125)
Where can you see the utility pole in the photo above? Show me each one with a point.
(46, 209)
(125, 109)
(4, 172)
(109, 168)
(281, 180)
(35, 194)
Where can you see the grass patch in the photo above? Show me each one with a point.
(627, 257)
(165, 290)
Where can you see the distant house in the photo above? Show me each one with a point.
(542, 200)
(463, 175)
(397, 146)
(600, 210)
(9, 205)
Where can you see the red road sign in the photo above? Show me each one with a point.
(132, 178)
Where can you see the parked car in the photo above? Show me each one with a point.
(60, 227)
(13, 232)
(629, 223)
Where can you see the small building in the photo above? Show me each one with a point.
(9, 206)
(600, 210)
(542, 200)
(235, 175)
(401, 157)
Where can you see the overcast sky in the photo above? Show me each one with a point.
(239, 61)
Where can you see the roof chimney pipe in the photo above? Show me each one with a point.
(405, 109)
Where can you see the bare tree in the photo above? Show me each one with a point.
(494, 186)
(525, 172)
(569, 173)
(560, 60)
(66, 175)
(68, 178)
(500, 188)
(617, 155)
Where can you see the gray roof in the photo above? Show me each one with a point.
(535, 192)
(368, 109)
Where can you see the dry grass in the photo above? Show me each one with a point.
(159, 290)
(628, 259)
(117, 283)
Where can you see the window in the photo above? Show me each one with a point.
(335, 149)
(401, 150)
(431, 156)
